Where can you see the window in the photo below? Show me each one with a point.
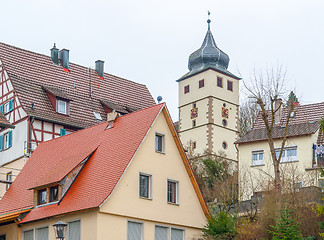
(62, 106)
(159, 143)
(74, 230)
(186, 89)
(7, 107)
(53, 194)
(194, 145)
(201, 83)
(289, 154)
(177, 234)
(194, 105)
(9, 179)
(42, 233)
(3, 237)
(219, 82)
(224, 145)
(28, 235)
(134, 231)
(167, 233)
(42, 196)
(257, 158)
(145, 185)
(229, 85)
(172, 191)
(6, 141)
(224, 122)
(97, 116)
(193, 123)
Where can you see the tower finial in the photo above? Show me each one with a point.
(208, 21)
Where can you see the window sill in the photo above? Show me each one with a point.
(171, 203)
(46, 204)
(5, 149)
(146, 198)
(258, 165)
(159, 152)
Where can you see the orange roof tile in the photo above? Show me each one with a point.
(113, 150)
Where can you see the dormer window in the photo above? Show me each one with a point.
(62, 106)
(48, 195)
(42, 196)
(97, 116)
(53, 194)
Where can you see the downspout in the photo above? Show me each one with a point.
(31, 121)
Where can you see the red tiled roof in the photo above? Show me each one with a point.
(305, 122)
(4, 123)
(30, 72)
(113, 150)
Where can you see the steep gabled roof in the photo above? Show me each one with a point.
(112, 148)
(33, 74)
(304, 122)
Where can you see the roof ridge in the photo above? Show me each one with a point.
(71, 63)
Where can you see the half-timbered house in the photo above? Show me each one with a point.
(45, 97)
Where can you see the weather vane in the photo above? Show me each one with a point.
(208, 21)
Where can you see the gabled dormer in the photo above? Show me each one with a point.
(54, 192)
(59, 99)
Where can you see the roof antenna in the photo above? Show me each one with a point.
(208, 21)
(159, 99)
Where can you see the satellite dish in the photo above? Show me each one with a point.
(159, 99)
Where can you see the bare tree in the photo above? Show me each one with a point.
(267, 89)
(247, 115)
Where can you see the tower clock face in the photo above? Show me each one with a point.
(194, 112)
(224, 112)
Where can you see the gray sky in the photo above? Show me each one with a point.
(149, 41)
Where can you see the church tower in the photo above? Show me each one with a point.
(209, 101)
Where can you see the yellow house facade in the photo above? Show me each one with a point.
(126, 185)
(300, 163)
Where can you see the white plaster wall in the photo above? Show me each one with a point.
(19, 136)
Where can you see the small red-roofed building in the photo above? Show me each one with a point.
(46, 97)
(126, 179)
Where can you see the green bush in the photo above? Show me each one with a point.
(222, 226)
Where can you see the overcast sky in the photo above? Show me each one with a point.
(149, 41)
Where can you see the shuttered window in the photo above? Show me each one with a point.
(42, 233)
(74, 230)
(161, 233)
(28, 235)
(134, 231)
(176, 234)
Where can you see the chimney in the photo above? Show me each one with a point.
(111, 118)
(100, 68)
(64, 58)
(278, 104)
(54, 54)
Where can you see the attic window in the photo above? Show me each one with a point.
(53, 194)
(97, 116)
(62, 106)
(42, 196)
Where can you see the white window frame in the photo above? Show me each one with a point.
(284, 157)
(177, 191)
(6, 141)
(58, 106)
(258, 162)
(149, 187)
(169, 228)
(163, 142)
(8, 178)
(6, 107)
(142, 227)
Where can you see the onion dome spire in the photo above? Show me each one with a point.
(208, 55)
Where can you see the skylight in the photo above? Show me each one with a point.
(97, 116)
